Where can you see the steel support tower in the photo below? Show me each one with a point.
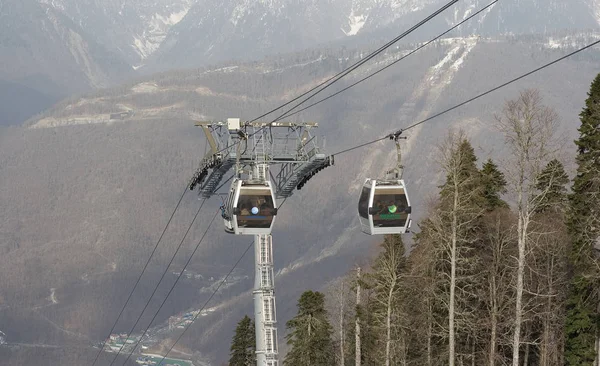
(265, 315)
(253, 148)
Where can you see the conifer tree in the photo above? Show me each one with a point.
(547, 267)
(452, 230)
(243, 345)
(551, 182)
(464, 172)
(309, 333)
(584, 229)
(494, 185)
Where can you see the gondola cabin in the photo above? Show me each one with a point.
(250, 208)
(384, 207)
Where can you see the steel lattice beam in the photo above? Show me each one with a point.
(291, 146)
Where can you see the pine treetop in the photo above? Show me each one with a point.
(588, 143)
(310, 332)
(243, 345)
(551, 184)
(465, 160)
(494, 185)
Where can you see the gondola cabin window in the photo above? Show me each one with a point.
(389, 207)
(363, 203)
(256, 208)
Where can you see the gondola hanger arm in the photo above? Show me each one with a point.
(397, 135)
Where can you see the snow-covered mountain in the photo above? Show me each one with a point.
(166, 34)
(74, 45)
(216, 30)
(133, 28)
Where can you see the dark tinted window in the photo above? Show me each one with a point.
(256, 208)
(363, 203)
(389, 207)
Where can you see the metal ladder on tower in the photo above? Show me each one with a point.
(265, 314)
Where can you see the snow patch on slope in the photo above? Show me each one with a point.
(572, 41)
(247, 7)
(595, 9)
(56, 4)
(442, 74)
(355, 22)
(156, 31)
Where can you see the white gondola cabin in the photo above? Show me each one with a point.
(384, 207)
(250, 208)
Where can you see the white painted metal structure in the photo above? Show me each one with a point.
(265, 315)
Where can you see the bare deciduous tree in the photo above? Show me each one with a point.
(498, 240)
(528, 128)
(386, 283)
(339, 307)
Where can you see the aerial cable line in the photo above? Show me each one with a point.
(471, 99)
(140, 277)
(366, 59)
(288, 114)
(160, 281)
(327, 83)
(174, 284)
(360, 62)
(212, 295)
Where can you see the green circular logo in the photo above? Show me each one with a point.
(392, 208)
